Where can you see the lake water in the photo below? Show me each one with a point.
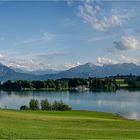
(123, 102)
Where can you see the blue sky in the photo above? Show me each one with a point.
(62, 34)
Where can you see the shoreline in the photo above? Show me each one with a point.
(69, 89)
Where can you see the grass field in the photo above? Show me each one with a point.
(120, 83)
(66, 125)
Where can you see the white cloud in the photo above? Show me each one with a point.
(126, 59)
(69, 2)
(71, 65)
(22, 62)
(100, 38)
(49, 55)
(45, 37)
(91, 14)
(105, 60)
(31, 62)
(127, 43)
(2, 57)
(117, 59)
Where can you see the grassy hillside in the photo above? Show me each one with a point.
(66, 125)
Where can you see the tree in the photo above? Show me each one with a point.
(25, 84)
(38, 84)
(34, 104)
(45, 104)
(7, 84)
(59, 105)
(24, 107)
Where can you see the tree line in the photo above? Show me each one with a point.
(46, 105)
(110, 83)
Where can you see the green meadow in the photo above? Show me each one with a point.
(121, 83)
(16, 124)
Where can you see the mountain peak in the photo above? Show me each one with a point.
(90, 64)
(83, 71)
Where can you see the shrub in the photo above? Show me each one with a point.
(24, 107)
(34, 105)
(59, 105)
(45, 105)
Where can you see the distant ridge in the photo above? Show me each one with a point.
(82, 71)
(7, 73)
(91, 70)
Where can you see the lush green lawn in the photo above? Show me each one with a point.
(66, 125)
(120, 83)
(123, 85)
(120, 80)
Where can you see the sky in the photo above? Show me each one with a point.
(40, 35)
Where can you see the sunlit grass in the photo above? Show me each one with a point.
(121, 83)
(66, 125)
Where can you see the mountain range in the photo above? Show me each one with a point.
(82, 71)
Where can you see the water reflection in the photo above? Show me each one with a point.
(121, 102)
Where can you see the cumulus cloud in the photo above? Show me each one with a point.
(24, 64)
(117, 59)
(127, 43)
(126, 59)
(105, 60)
(27, 64)
(93, 15)
(31, 62)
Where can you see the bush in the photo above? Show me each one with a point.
(34, 105)
(59, 105)
(45, 105)
(24, 107)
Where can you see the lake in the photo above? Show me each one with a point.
(123, 102)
